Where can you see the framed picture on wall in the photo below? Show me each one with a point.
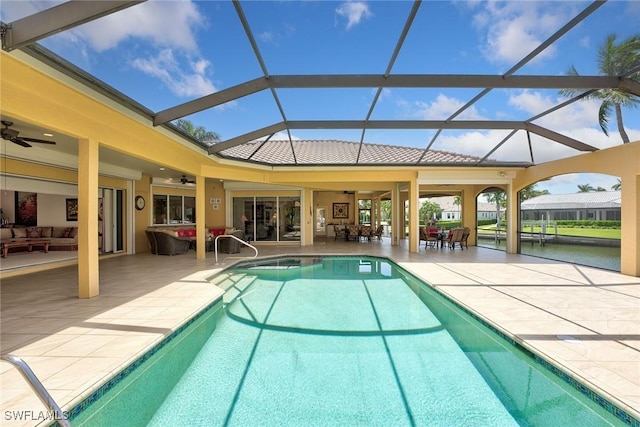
(26, 208)
(341, 210)
(72, 209)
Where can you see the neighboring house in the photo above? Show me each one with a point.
(453, 212)
(598, 205)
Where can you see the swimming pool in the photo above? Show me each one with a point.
(339, 341)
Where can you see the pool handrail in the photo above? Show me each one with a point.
(239, 240)
(38, 388)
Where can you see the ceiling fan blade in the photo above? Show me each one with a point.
(40, 141)
(19, 141)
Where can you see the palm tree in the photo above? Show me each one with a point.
(585, 188)
(198, 132)
(530, 192)
(614, 59)
(498, 197)
(617, 186)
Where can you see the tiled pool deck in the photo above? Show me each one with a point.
(584, 319)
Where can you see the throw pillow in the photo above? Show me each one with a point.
(46, 232)
(34, 232)
(19, 232)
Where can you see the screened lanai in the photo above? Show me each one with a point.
(411, 94)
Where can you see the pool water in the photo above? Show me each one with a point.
(352, 341)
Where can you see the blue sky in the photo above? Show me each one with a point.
(163, 53)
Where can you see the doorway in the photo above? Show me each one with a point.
(321, 222)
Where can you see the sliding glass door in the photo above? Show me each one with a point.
(268, 219)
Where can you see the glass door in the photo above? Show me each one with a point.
(321, 221)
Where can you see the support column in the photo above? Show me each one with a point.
(88, 265)
(403, 221)
(512, 220)
(469, 212)
(630, 230)
(396, 219)
(414, 207)
(201, 206)
(306, 215)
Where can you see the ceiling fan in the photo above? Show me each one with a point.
(184, 180)
(12, 135)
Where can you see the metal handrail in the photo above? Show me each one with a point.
(239, 240)
(44, 396)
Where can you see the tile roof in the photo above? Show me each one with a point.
(333, 152)
(594, 199)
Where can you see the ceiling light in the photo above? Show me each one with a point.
(161, 169)
(47, 134)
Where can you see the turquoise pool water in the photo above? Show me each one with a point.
(341, 341)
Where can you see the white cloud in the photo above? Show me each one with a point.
(185, 83)
(441, 109)
(354, 11)
(165, 31)
(514, 29)
(266, 36)
(164, 23)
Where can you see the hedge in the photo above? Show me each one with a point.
(588, 223)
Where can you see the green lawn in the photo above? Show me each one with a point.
(606, 233)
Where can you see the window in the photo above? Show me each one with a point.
(364, 211)
(171, 209)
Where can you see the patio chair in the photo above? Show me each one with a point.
(340, 231)
(430, 236)
(455, 236)
(171, 245)
(377, 232)
(365, 232)
(465, 237)
(354, 232)
(151, 238)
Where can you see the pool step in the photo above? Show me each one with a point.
(233, 284)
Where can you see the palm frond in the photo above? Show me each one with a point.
(603, 116)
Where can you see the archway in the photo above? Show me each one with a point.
(573, 218)
(490, 220)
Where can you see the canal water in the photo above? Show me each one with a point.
(604, 257)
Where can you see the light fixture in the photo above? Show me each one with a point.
(502, 174)
(47, 134)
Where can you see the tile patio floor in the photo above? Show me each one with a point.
(584, 319)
